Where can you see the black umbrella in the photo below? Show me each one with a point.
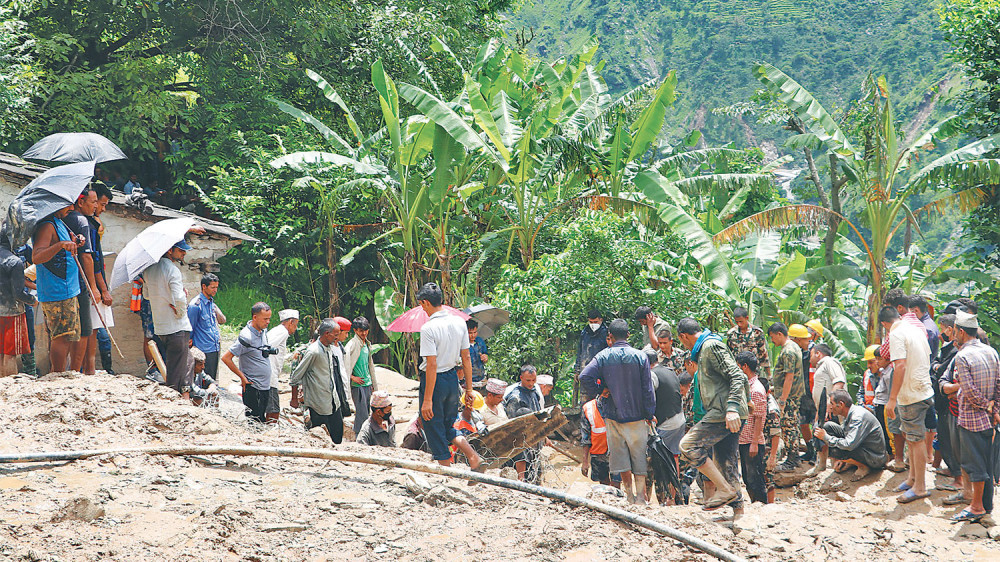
(56, 189)
(75, 147)
(664, 467)
(820, 419)
(490, 318)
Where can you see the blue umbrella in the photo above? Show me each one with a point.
(55, 189)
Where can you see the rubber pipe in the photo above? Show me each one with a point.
(348, 456)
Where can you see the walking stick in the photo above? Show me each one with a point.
(93, 300)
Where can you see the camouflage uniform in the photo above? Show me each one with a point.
(753, 341)
(675, 361)
(789, 364)
(772, 427)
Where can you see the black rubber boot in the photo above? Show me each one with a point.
(810, 455)
(106, 361)
(28, 362)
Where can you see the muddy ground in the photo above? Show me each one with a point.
(132, 507)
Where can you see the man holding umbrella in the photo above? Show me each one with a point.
(164, 288)
(54, 253)
(78, 223)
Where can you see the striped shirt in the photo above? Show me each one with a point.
(977, 368)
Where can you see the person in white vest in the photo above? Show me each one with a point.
(277, 337)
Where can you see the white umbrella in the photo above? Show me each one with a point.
(147, 248)
(75, 147)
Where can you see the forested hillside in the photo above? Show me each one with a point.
(827, 45)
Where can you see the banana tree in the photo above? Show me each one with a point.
(883, 172)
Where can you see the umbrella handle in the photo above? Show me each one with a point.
(93, 299)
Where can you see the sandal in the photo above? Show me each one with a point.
(911, 496)
(946, 487)
(966, 515)
(903, 487)
(955, 499)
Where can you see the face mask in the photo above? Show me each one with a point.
(594, 326)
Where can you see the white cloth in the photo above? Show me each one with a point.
(910, 343)
(163, 286)
(444, 336)
(829, 372)
(338, 352)
(277, 337)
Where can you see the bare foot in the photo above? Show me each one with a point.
(860, 473)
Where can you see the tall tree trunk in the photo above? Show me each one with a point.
(836, 182)
(331, 265)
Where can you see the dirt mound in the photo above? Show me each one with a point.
(131, 507)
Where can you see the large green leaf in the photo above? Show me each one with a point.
(812, 113)
(388, 307)
(717, 267)
(968, 173)
(789, 271)
(505, 116)
(298, 160)
(389, 101)
(647, 127)
(439, 112)
(331, 94)
(484, 117)
(730, 182)
(659, 189)
(328, 133)
(439, 46)
(418, 141)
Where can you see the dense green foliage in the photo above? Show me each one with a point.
(713, 44)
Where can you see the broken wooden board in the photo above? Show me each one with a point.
(507, 440)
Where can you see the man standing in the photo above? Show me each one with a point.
(744, 336)
(78, 223)
(444, 345)
(912, 392)
(102, 339)
(789, 386)
(319, 376)
(13, 299)
(858, 442)
(361, 366)
(205, 318)
(629, 407)
(918, 306)
(379, 429)
(651, 325)
(668, 355)
(277, 337)
(593, 340)
(164, 288)
(58, 281)
(669, 418)
(254, 370)
(478, 353)
(977, 368)
(752, 441)
(804, 338)
(947, 422)
(713, 442)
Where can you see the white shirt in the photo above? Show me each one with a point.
(163, 286)
(829, 372)
(277, 337)
(908, 342)
(342, 361)
(444, 336)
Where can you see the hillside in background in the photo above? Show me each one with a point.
(828, 46)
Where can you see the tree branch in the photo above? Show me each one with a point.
(814, 176)
(181, 87)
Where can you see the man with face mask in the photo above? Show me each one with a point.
(379, 429)
(593, 340)
(946, 421)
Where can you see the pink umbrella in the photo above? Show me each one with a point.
(413, 319)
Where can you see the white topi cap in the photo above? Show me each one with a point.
(288, 314)
(544, 379)
(965, 320)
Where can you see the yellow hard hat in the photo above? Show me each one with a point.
(816, 325)
(870, 352)
(798, 331)
(477, 400)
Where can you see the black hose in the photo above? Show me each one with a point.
(348, 456)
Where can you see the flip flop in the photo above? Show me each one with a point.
(966, 515)
(955, 499)
(911, 496)
(903, 487)
(946, 487)
(716, 503)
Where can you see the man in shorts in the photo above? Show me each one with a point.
(78, 223)
(58, 278)
(629, 407)
(912, 393)
(444, 345)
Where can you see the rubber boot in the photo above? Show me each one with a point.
(810, 454)
(820, 465)
(106, 361)
(28, 363)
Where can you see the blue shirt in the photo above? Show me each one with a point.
(478, 347)
(58, 278)
(204, 324)
(624, 371)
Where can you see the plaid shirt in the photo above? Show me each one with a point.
(759, 415)
(753, 341)
(977, 368)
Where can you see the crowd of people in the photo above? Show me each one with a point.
(930, 396)
(717, 402)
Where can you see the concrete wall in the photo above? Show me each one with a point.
(121, 226)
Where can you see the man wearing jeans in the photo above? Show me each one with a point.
(628, 407)
(444, 345)
(713, 442)
(205, 318)
(911, 393)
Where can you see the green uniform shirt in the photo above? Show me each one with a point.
(789, 363)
